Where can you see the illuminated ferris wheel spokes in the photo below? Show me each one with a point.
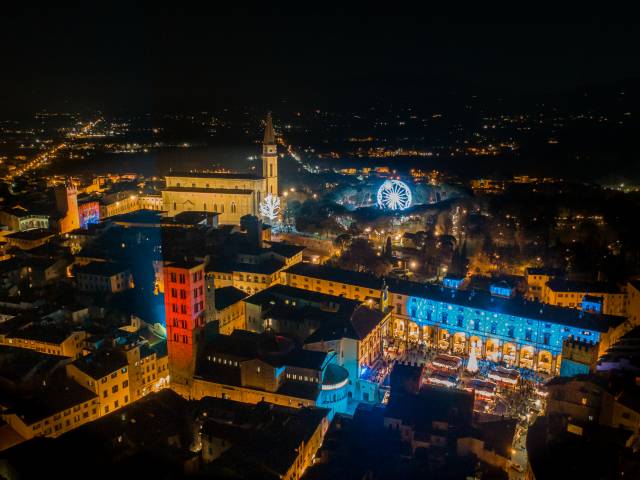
(394, 195)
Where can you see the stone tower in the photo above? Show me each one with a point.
(186, 315)
(270, 158)
(67, 207)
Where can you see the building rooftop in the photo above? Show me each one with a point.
(268, 267)
(192, 218)
(19, 364)
(229, 191)
(552, 272)
(22, 212)
(43, 333)
(221, 175)
(52, 400)
(185, 264)
(227, 296)
(286, 292)
(35, 234)
(432, 404)
(286, 250)
(365, 319)
(101, 363)
(265, 438)
(498, 435)
(514, 306)
(105, 269)
(561, 285)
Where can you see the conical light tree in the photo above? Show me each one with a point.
(472, 364)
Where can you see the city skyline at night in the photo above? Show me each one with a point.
(319, 243)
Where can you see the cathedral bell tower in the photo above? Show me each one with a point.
(270, 158)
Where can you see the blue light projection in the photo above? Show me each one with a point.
(539, 334)
(452, 282)
(592, 304)
(86, 220)
(500, 290)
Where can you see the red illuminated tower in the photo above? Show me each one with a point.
(185, 312)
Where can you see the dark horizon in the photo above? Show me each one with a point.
(179, 59)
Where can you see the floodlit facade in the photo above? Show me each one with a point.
(601, 298)
(185, 311)
(501, 328)
(231, 195)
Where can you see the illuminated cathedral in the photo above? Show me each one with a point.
(230, 195)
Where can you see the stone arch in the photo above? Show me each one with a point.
(399, 327)
(414, 331)
(443, 339)
(475, 342)
(527, 356)
(492, 349)
(427, 334)
(459, 342)
(545, 361)
(509, 350)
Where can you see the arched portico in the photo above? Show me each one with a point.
(475, 343)
(526, 357)
(444, 340)
(492, 350)
(509, 353)
(545, 361)
(459, 343)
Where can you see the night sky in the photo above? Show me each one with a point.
(132, 59)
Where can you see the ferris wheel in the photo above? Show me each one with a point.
(394, 195)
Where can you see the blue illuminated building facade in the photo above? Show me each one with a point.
(452, 282)
(498, 325)
(591, 303)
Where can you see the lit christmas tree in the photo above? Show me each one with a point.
(472, 364)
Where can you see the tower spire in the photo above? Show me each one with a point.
(269, 133)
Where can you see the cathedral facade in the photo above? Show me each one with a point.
(231, 195)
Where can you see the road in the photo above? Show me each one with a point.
(44, 158)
